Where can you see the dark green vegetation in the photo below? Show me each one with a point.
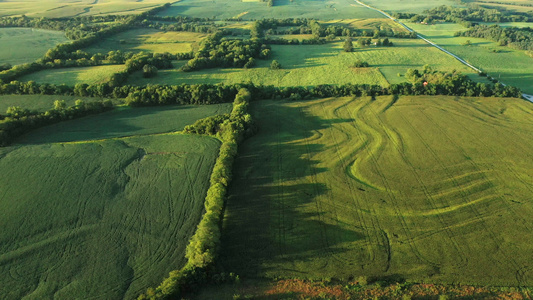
(103, 219)
(38, 102)
(430, 189)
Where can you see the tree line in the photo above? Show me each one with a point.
(514, 37)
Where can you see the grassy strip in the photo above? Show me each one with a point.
(202, 251)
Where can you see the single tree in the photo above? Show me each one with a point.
(149, 71)
(348, 45)
(275, 65)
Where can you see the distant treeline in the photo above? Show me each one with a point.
(18, 121)
(202, 250)
(465, 16)
(514, 37)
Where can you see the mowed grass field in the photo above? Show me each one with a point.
(25, 45)
(103, 219)
(309, 65)
(40, 102)
(124, 121)
(59, 9)
(71, 76)
(149, 40)
(249, 10)
(511, 66)
(410, 6)
(430, 189)
(510, 5)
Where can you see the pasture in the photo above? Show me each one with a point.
(310, 65)
(410, 6)
(39, 102)
(248, 10)
(429, 189)
(30, 44)
(149, 40)
(124, 121)
(103, 219)
(509, 5)
(511, 66)
(62, 9)
(71, 76)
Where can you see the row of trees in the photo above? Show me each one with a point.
(518, 38)
(202, 251)
(18, 121)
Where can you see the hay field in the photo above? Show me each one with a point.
(71, 76)
(25, 45)
(430, 189)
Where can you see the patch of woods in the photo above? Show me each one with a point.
(517, 38)
(203, 248)
(18, 121)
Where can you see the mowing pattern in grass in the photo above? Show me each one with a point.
(40, 102)
(149, 40)
(511, 66)
(309, 65)
(71, 76)
(25, 45)
(428, 188)
(125, 121)
(335, 9)
(102, 220)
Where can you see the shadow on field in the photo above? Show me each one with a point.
(272, 214)
(120, 122)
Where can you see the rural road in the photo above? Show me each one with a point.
(525, 96)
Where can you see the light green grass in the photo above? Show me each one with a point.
(508, 5)
(431, 189)
(39, 102)
(149, 40)
(124, 121)
(99, 219)
(25, 45)
(335, 9)
(409, 6)
(59, 9)
(511, 66)
(71, 76)
(309, 65)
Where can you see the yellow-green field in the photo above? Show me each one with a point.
(71, 76)
(25, 45)
(429, 189)
(309, 65)
(149, 40)
(40, 102)
(411, 6)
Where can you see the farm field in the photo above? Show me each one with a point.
(510, 5)
(30, 44)
(149, 40)
(61, 9)
(104, 219)
(413, 6)
(431, 189)
(124, 121)
(40, 102)
(309, 65)
(511, 66)
(71, 76)
(248, 10)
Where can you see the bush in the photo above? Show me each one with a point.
(275, 65)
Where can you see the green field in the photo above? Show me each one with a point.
(25, 45)
(71, 76)
(511, 66)
(60, 9)
(411, 6)
(124, 121)
(39, 102)
(509, 5)
(333, 9)
(149, 40)
(309, 65)
(430, 189)
(102, 219)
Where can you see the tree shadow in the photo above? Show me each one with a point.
(270, 215)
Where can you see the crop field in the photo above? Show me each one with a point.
(511, 66)
(71, 76)
(149, 40)
(431, 189)
(368, 24)
(104, 219)
(60, 9)
(309, 65)
(510, 5)
(124, 121)
(323, 10)
(413, 6)
(30, 44)
(39, 102)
